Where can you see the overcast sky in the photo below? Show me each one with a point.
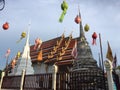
(103, 16)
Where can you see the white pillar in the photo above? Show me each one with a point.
(108, 66)
(22, 79)
(3, 74)
(55, 68)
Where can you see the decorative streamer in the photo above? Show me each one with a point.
(64, 7)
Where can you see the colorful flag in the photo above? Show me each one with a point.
(39, 55)
(13, 63)
(38, 43)
(18, 54)
(7, 52)
(74, 51)
(109, 53)
(114, 61)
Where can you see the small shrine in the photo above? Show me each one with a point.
(85, 60)
(24, 62)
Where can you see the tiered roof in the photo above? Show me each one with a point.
(57, 50)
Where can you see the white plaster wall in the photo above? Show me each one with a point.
(41, 68)
(50, 69)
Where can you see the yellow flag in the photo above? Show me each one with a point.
(39, 55)
(18, 54)
(109, 53)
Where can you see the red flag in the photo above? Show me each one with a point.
(7, 52)
(74, 51)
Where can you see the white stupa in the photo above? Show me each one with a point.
(24, 62)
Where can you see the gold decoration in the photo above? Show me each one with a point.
(54, 48)
(59, 58)
(51, 53)
(62, 53)
(63, 35)
(82, 39)
(57, 43)
(70, 37)
(65, 43)
(50, 56)
(63, 49)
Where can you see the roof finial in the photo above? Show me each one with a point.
(28, 31)
(82, 36)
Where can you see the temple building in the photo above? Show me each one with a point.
(62, 52)
(69, 54)
(56, 51)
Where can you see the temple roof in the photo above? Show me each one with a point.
(57, 50)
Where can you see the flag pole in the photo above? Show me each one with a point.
(7, 56)
(6, 70)
(101, 52)
(99, 61)
(102, 65)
